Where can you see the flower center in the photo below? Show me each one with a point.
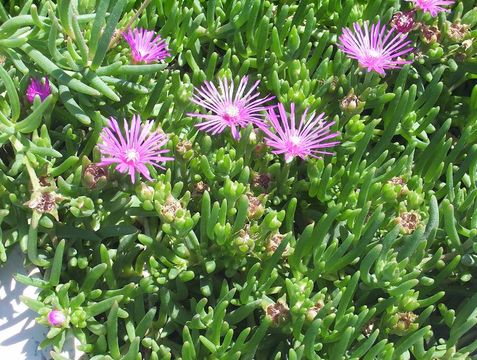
(374, 54)
(295, 140)
(132, 155)
(231, 111)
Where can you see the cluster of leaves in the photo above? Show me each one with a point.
(233, 253)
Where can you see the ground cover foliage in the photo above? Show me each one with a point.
(232, 252)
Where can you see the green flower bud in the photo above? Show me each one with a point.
(82, 206)
(78, 318)
(146, 192)
(244, 242)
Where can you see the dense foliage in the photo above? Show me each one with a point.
(232, 252)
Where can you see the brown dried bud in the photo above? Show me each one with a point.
(430, 34)
(457, 31)
(183, 146)
(369, 327)
(278, 312)
(2, 59)
(200, 188)
(403, 22)
(94, 176)
(398, 180)
(261, 180)
(467, 44)
(408, 221)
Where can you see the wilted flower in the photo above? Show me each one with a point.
(278, 312)
(229, 108)
(432, 7)
(44, 200)
(430, 34)
(274, 242)
(369, 327)
(146, 46)
(255, 207)
(134, 151)
(375, 50)
(56, 318)
(36, 87)
(94, 176)
(408, 221)
(170, 208)
(183, 146)
(351, 104)
(200, 188)
(311, 135)
(457, 32)
(261, 180)
(314, 310)
(403, 22)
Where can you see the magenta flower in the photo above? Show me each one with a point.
(432, 7)
(229, 108)
(56, 318)
(374, 50)
(132, 152)
(311, 135)
(36, 87)
(403, 22)
(145, 46)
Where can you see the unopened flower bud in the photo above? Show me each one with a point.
(244, 242)
(403, 22)
(146, 192)
(278, 312)
(408, 221)
(94, 176)
(56, 318)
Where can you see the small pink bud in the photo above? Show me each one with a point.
(56, 318)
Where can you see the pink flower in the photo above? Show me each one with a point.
(374, 50)
(133, 151)
(36, 87)
(229, 109)
(145, 47)
(56, 318)
(311, 135)
(432, 7)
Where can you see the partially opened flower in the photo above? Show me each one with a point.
(432, 7)
(229, 108)
(375, 48)
(37, 87)
(133, 151)
(146, 45)
(309, 138)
